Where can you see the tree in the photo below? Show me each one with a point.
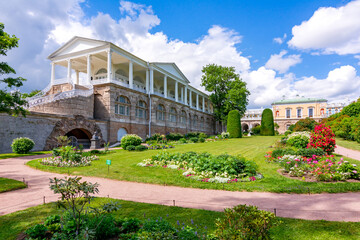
(306, 124)
(11, 102)
(234, 124)
(228, 91)
(31, 94)
(267, 123)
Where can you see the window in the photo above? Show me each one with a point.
(122, 106)
(277, 114)
(160, 113)
(311, 112)
(183, 117)
(172, 115)
(141, 111)
(287, 126)
(288, 113)
(299, 112)
(101, 74)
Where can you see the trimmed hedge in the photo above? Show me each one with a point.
(22, 145)
(267, 123)
(234, 124)
(130, 140)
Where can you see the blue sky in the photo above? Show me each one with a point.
(311, 48)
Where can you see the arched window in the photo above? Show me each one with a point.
(139, 82)
(202, 122)
(121, 72)
(183, 117)
(101, 70)
(101, 74)
(195, 121)
(122, 106)
(172, 115)
(141, 110)
(160, 112)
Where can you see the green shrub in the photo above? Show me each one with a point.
(194, 139)
(256, 130)
(306, 124)
(37, 232)
(305, 152)
(129, 225)
(234, 124)
(95, 151)
(192, 134)
(22, 145)
(298, 139)
(130, 139)
(130, 148)
(201, 139)
(203, 135)
(157, 225)
(104, 225)
(245, 222)
(174, 136)
(141, 148)
(182, 140)
(267, 123)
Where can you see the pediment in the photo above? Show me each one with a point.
(77, 44)
(173, 69)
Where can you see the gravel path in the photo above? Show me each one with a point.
(334, 207)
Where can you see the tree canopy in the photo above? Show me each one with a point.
(11, 101)
(228, 91)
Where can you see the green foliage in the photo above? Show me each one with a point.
(31, 94)
(130, 139)
(352, 110)
(305, 152)
(174, 136)
(298, 139)
(182, 140)
(306, 124)
(129, 225)
(63, 140)
(194, 139)
(11, 102)
(131, 148)
(245, 222)
(37, 232)
(267, 123)
(234, 124)
(195, 134)
(22, 145)
(201, 140)
(256, 130)
(140, 148)
(228, 91)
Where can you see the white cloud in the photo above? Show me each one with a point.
(280, 40)
(357, 57)
(330, 30)
(282, 63)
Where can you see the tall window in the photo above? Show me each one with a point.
(141, 111)
(122, 106)
(311, 112)
(299, 111)
(160, 112)
(172, 115)
(288, 113)
(183, 117)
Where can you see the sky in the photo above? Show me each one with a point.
(279, 48)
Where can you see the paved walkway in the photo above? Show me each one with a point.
(335, 207)
(347, 152)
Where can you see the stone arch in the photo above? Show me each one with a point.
(67, 125)
(120, 133)
(245, 127)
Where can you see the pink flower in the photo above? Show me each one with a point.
(288, 162)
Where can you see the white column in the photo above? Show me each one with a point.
(182, 94)
(151, 81)
(131, 74)
(185, 100)
(165, 86)
(109, 65)
(203, 108)
(69, 69)
(190, 98)
(88, 68)
(77, 77)
(197, 101)
(52, 73)
(147, 81)
(176, 91)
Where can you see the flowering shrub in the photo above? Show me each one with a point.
(130, 139)
(60, 162)
(324, 138)
(155, 146)
(206, 167)
(225, 135)
(298, 139)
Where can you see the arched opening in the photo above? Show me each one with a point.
(121, 132)
(78, 137)
(245, 127)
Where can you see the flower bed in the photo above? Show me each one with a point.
(325, 168)
(155, 146)
(206, 167)
(60, 162)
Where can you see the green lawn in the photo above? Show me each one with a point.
(10, 184)
(13, 224)
(348, 144)
(124, 167)
(13, 155)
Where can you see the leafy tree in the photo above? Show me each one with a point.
(228, 91)
(306, 124)
(234, 124)
(31, 94)
(267, 123)
(11, 102)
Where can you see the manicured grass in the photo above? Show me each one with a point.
(348, 144)
(13, 155)
(13, 224)
(123, 167)
(10, 184)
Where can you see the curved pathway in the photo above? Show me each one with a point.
(335, 207)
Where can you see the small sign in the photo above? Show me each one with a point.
(108, 162)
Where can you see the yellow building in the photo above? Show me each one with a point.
(289, 111)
